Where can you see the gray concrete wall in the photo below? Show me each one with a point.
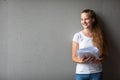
(3, 40)
(36, 37)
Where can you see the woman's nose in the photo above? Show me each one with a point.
(84, 21)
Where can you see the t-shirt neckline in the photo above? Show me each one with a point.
(84, 35)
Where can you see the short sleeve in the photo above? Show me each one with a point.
(76, 37)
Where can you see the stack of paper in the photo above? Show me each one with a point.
(88, 51)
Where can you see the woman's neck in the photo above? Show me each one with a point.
(87, 32)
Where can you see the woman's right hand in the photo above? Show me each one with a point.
(83, 59)
(87, 59)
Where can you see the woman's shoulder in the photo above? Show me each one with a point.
(78, 33)
(78, 36)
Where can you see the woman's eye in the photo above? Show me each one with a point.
(87, 19)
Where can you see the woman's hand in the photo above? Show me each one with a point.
(98, 61)
(86, 59)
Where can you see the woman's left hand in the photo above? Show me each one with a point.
(98, 61)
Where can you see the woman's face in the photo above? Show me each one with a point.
(86, 20)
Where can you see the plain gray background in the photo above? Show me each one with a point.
(36, 37)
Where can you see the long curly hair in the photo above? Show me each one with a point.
(97, 33)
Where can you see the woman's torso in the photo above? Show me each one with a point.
(86, 68)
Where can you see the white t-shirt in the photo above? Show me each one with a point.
(85, 68)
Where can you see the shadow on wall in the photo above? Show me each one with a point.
(111, 65)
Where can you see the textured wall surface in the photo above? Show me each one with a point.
(36, 37)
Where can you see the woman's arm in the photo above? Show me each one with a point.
(75, 46)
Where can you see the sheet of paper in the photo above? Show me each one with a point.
(88, 51)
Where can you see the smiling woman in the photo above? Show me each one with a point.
(86, 20)
(89, 67)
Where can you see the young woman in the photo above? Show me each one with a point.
(90, 67)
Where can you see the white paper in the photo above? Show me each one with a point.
(88, 51)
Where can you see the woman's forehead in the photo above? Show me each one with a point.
(85, 15)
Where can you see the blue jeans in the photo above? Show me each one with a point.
(94, 76)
